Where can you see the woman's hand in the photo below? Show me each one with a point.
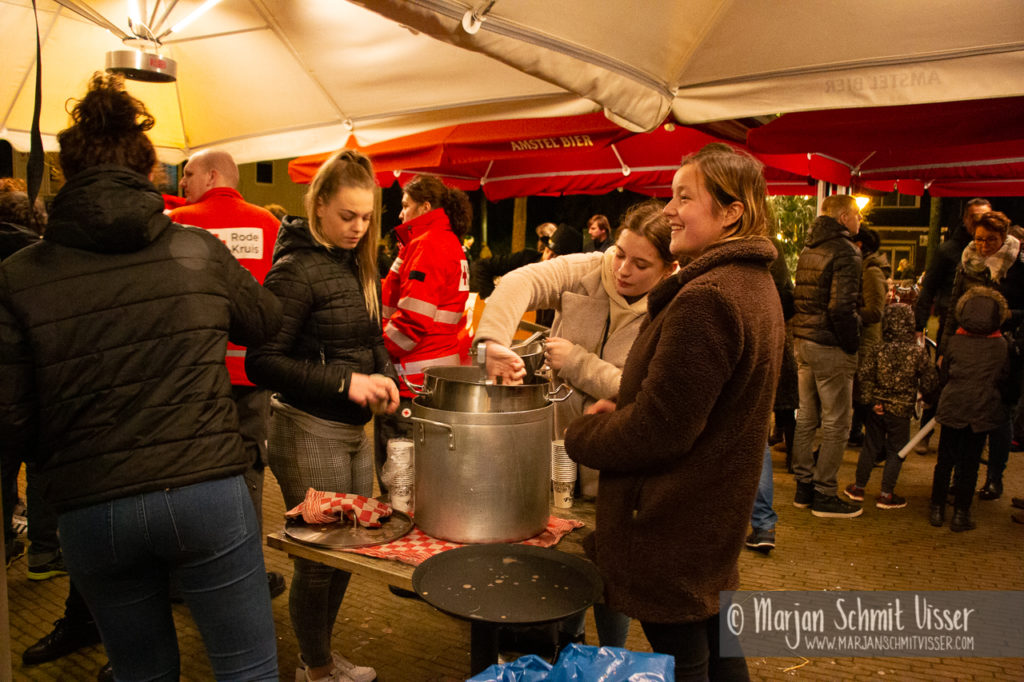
(503, 362)
(556, 352)
(375, 391)
(601, 406)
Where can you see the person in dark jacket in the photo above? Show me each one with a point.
(484, 271)
(113, 330)
(994, 259)
(826, 330)
(874, 291)
(976, 371)
(15, 234)
(76, 629)
(680, 452)
(327, 367)
(892, 373)
(937, 283)
(600, 231)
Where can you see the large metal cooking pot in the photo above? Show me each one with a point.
(482, 476)
(467, 389)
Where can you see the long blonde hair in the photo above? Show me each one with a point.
(345, 169)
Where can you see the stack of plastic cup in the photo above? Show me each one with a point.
(400, 473)
(563, 475)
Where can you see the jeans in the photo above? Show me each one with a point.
(959, 448)
(763, 516)
(825, 376)
(696, 650)
(612, 626)
(884, 436)
(121, 554)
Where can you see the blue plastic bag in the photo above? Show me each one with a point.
(579, 663)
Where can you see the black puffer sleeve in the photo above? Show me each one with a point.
(279, 365)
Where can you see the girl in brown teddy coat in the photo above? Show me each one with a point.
(680, 451)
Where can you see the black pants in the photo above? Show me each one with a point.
(884, 436)
(695, 647)
(960, 448)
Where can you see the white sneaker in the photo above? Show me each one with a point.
(358, 673)
(344, 671)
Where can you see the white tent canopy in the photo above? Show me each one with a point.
(279, 78)
(707, 60)
(266, 79)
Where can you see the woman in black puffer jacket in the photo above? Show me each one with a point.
(113, 330)
(327, 368)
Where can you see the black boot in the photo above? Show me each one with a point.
(991, 491)
(961, 521)
(938, 515)
(65, 638)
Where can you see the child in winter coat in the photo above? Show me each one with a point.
(891, 376)
(975, 365)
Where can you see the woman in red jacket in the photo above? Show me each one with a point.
(424, 294)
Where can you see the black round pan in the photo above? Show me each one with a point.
(507, 583)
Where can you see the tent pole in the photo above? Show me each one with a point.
(519, 225)
(485, 250)
(934, 230)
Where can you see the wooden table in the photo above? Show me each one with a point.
(390, 572)
(483, 644)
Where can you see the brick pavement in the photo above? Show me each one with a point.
(407, 641)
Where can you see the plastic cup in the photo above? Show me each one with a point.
(563, 493)
(563, 469)
(401, 497)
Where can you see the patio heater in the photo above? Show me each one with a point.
(143, 61)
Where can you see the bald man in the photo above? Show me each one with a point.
(209, 184)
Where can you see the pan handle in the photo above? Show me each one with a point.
(415, 388)
(553, 395)
(431, 422)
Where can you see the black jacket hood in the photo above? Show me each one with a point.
(107, 209)
(824, 228)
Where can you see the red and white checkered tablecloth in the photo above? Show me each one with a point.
(416, 546)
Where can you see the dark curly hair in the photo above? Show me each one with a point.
(15, 208)
(109, 128)
(454, 201)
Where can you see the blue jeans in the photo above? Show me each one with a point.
(763, 516)
(825, 376)
(121, 555)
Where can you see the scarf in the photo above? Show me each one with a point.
(997, 264)
(620, 312)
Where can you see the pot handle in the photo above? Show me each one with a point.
(553, 395)
(417, 389)
(431, 422)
